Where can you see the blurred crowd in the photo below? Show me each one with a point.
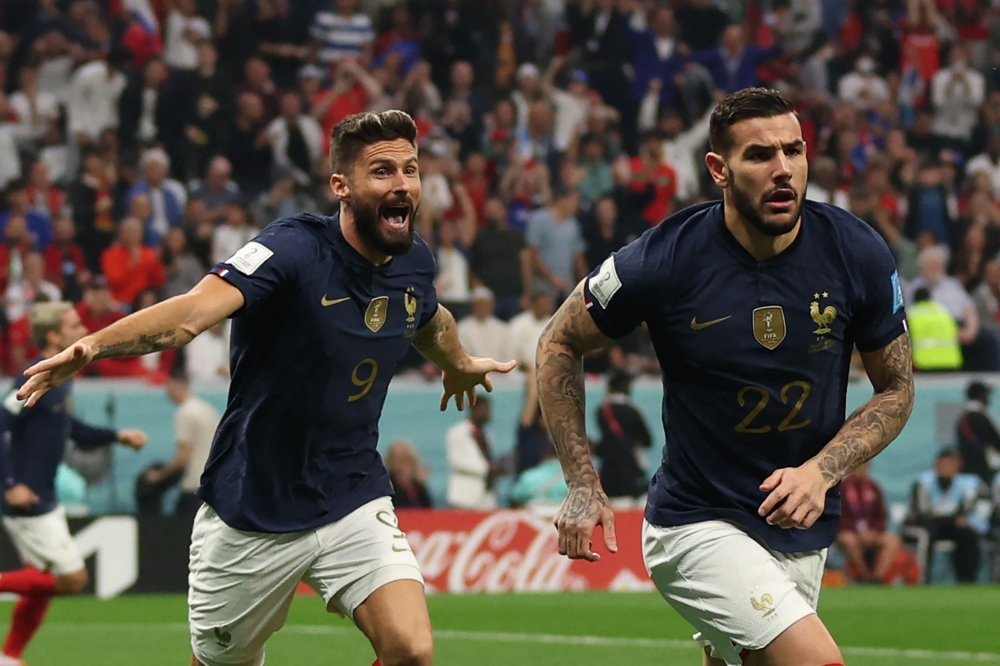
(143, 140)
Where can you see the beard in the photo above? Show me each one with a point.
(368, 221)
(752, 211)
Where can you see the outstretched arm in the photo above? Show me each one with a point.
(167, 325)
(437, 341)
(797, 495)
(570, 334)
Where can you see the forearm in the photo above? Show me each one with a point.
(166, 325)
(437, 341)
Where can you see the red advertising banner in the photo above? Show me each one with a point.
(517, 551)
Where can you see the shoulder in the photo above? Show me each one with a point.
(690, 228)
(854, 237)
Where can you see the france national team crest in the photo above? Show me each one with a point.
(411, 305)
(769, 325)
(897, 293)
(375, 314)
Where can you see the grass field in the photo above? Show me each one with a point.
(936, 626)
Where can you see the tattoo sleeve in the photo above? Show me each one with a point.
(880, 420)
(437, 341)
(569, 335)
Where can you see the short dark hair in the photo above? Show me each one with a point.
(744, 105)
(921, 294)
(354, 132)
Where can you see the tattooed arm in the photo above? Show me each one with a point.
(570, 334)
(437, 341)
(797, 495)
(167, 325)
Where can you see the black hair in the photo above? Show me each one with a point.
(744, 105)
(921, 294)
(354, 132)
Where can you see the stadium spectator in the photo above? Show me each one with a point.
(143, 107)
(824, 185)
(167, 197)
(236, 231)
(181, 269)
(207, 356)
(540, 485)
(501, 261)
(247, 147)
(93, 104)
(184, 30)
(408, 476)
(870, 548)
(64, 263)
(342, 33)
(92, 198)
(452, 282)
(16, 244)
(481, 333)
(129, 265)
(296, 139)
(934, 333)
(987, 297)
(98, 310)
(606, 234)
(942, 502)
(195, 422)
(39, 224)
(957, 91)
(624, 440)
(556, 241)
(977, 434)
(32, 112)
(23, 291)
(472, 469)
(216, 190)
(650, 168)
(988, 161)
(863, 88)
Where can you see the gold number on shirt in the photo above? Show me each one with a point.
(389, 519)
(364, 378)
(764, 397)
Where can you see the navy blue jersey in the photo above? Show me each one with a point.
(755, 354)
(35, 443)
(312, 352)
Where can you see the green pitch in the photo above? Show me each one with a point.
(936, 626)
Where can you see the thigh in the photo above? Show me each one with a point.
(359, 554)
(395, 619)
(44, 542)
(731, 588)
(240, 586)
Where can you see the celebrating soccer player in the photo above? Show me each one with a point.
(754, 305)
(323, 309)
(32, 515)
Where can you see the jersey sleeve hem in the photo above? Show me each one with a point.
(883, 340)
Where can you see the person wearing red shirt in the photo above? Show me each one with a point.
(353, 88)
(649, 167)
(869, 548)
(130, 266)
(97, 311)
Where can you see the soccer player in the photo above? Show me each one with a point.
(32, 515)
(754, 305)
(323, 309)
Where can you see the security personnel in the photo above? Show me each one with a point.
(934, 334)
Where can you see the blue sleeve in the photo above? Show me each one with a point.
(90, 437)
(617, 292)
(9, 414)
(881, 316)
(269, 263)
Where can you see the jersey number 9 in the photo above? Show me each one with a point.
(364, 378)
(764, 397)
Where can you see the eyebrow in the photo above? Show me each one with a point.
(797, 143)
(385, 161)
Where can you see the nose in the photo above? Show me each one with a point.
(783, 167)
(400, 183)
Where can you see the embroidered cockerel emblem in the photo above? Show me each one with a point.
(822, 318)
(765, 603)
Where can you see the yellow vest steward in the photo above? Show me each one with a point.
(935, 337)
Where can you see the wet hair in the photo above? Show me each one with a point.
(744, 105)
(355, 132)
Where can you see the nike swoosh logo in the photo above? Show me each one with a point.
(325, 301)
(697, 326)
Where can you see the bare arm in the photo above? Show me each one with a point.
(167, 325)
(876, 423)
(570, 334)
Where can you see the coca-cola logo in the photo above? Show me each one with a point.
(503, 552)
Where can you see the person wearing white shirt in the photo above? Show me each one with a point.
(863, 88)
(234, 234)
(526, 328)
(482, 334)
(471, 469)
(184, 30)
(35, 109)
(823, 184)
(207, 356)
(296, 139)
(988, 162)
(681, 148)
(957, 91)
(22, 293)
(195, 423)
(94, 97)
(452, 282)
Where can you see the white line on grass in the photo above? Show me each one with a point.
(511, 637)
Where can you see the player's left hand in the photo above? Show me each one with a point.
(796, 496)
(463, 383)
(134, 439)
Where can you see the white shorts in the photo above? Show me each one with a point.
(44, 542)
(241, 584)
(738, 593)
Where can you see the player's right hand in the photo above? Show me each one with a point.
(51, 372)
(581, 512)
(20, 496)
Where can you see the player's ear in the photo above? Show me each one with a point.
(717, 168)
(341, 188)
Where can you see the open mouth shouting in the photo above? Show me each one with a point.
(396, 216)
(780, 200)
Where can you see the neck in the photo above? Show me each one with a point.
(353, 238)
(761, 246)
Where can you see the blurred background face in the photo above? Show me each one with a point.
(34, 267)
(175, 241)
(140, 207)
(155, 172)
(948, 466)
(130, 232)
(482, 308)
(64, 230)
(71, 330)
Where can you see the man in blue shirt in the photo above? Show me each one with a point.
(324, 309)
(29, 460)
(754, 306)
